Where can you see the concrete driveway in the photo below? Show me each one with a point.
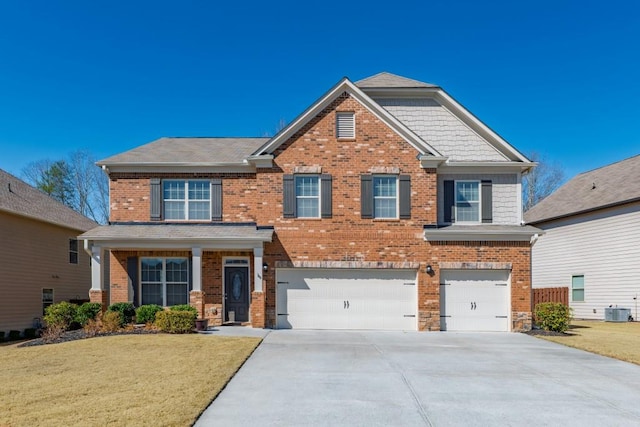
(336, 378)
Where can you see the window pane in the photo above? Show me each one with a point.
(199, 190)
(385, 208)
(177, 270)
(384, 186)
(577, 294)
(467, 192)
(307, 186)
(176, 294)
(307, 208)
(199, 210)
(173, 190)
(151, 270)
(174, 210)
(577, 282)
(152, 293)
(468, 212)
(47, 295)
(73, 245)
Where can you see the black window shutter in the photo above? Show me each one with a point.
(366, 196)
(288, 197)
(132, 277)
(487, 202)
(405, 196)
(190, 281)
(156, 199)
(449, 201)
(325, 194)
(216, 200)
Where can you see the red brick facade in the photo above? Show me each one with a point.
(258, 197)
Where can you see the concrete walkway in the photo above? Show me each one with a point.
(336, 378)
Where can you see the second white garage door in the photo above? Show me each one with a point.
(474, 300)
(346, 299)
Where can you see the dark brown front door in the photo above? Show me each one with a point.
(236, 294)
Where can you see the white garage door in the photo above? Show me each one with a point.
(346, 299)
(474, 300)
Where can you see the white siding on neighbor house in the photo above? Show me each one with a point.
(441, 129)
(35, 255)
(604, 247)
(505, 189)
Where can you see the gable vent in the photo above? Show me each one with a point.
(346, 125)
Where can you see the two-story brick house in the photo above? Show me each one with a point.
(384, 205)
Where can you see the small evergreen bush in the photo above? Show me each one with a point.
(552, 316)
(87, 311)
(126, 309)
(14, 335)
(147, 313)
(61, 315)
(176, 321)
(184, 307)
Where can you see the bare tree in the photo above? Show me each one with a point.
(541, 181)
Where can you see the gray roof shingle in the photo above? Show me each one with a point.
(388, 80)
(194, 151)
(607, 186)
(141, 232)
(19, 198)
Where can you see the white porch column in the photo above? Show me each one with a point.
(257, 267)
(196, 269)
(96, 269)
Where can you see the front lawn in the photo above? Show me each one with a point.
(119, 380)
(617, 340)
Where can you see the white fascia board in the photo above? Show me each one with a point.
(345, 85)
(182, 168)
(262, 161)
(431, 162)
(168, 244)
(485, 167)
(491, 236)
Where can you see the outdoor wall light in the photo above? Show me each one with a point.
(429, 269)
(265, 267)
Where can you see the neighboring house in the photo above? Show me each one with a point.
(41, 260)
(384, 205)
(591, 241)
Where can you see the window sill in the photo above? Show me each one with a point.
(346, 139)
(309, 219)
(386, 219)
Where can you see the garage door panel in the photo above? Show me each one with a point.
(346, 299)
(475, 300)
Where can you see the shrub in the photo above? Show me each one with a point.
(93, 327)
(87, 311)
(127, 310)
(14, 335)
(61, 315)
(112, 321)
(176, 321)
(147, 313)
(552, 316)
(184, 307)
(30, 333)
(52, 333)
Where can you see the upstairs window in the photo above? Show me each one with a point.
(385, 197)
(467, 201)
(307, 196)
(73, 251)
(186, 200)
(346, 125)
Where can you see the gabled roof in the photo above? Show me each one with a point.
(19, 198)
(388, 80)
(608, 186)
(177, 151)
(345, 85)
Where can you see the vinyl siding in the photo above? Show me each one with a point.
(505, 188)
(35, 255)
(441, 129)
(604, 247)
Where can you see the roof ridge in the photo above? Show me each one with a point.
(607, 165)
(216, 137)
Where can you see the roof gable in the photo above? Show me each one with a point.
(608, 186)
(19, 198)
(345, 85)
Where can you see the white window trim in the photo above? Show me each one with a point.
(186, 199)
(319, 196)
(397, 196)
(350, 114)
(583, 287)
(455, 200)
(163, 277)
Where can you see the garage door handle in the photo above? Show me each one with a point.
(346, 304)
(501, 317)
(409, 315)
(473, 306)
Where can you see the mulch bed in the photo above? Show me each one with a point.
(80, 334)
(544, 333)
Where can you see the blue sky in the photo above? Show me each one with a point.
(558, 77)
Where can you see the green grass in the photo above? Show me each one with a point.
(618, 340)
(122, 380)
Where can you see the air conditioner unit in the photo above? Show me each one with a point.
(615, 314)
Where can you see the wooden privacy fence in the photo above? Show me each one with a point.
(560, 295)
